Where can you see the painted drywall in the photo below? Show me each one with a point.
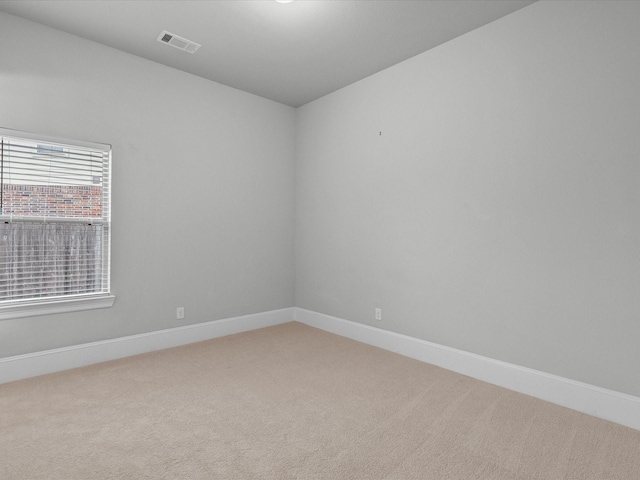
(484, 194)
(202, 184)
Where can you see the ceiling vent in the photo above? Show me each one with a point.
(178, 42)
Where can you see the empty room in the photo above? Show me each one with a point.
(320, 239)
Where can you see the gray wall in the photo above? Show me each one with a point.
(202, 184)
(497, 212)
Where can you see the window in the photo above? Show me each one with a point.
(55, 225)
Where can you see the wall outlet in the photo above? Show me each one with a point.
(180, 313)
(379, 314)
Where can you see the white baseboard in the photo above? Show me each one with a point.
(598, 402)
(30, 365)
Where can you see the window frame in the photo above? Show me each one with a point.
(11, 309)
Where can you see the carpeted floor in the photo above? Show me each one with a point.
(293, 402)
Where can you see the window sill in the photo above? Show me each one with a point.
(58, 305)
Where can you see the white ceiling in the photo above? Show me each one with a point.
(292, 53)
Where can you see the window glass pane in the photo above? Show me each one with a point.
(50, 259)
(46, 180)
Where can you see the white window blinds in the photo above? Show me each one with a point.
(54, 218)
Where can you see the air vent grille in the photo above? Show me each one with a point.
(178, 42)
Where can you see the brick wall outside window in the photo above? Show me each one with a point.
(53, 200)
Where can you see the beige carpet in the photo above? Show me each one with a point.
(293, 402)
